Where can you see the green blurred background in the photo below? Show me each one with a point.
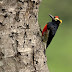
(59, 52)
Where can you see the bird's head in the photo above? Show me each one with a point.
(56, 19)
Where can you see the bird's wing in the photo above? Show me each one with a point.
(50, 37)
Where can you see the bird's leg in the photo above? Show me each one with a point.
(40, 28)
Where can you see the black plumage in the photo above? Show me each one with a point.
(52, 27)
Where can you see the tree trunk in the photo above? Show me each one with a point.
(21, 48)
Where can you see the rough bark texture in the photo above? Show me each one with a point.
(21, 48)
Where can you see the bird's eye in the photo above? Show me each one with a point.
(56, 19)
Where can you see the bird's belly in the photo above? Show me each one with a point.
(45, 36)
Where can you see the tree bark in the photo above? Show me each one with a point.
(21, 48)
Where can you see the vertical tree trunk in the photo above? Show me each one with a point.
(21, 48)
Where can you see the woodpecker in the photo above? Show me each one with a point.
(50, 29)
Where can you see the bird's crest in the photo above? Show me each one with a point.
(56, 16)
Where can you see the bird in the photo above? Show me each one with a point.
(50, 29)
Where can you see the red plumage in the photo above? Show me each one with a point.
(44, 30)
(56, 16)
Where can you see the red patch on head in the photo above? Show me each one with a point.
(56, 16)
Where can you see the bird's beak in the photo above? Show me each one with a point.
(51, 16)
